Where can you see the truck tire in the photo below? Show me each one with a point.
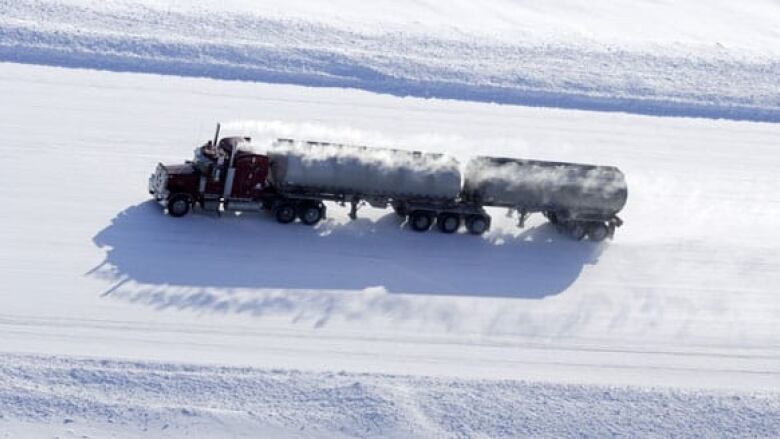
(284, 213)
(577, 230)
(178, 205)
(448, 222)
(598, 232)
(310, 213)
(552, 217)
(477, 224)
(421, 220)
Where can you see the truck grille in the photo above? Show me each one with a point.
(157, 182)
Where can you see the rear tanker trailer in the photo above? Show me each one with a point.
(292, 179)
(581, 199)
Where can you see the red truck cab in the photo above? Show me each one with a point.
(227, 174)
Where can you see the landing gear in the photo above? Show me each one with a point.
(179, 205)
(477, 224)
(399, 209)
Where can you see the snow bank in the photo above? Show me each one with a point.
(104, 397)
(609, 58)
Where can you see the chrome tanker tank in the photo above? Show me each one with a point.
(358, 170)
(533, 185)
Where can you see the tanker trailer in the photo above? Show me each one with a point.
(410, 181)
(580, 199)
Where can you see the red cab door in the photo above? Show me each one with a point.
(250, 176)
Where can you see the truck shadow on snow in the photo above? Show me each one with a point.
(252, 251)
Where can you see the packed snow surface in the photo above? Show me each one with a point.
(698, 58)
(684, 299)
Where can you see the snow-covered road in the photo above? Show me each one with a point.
(685, 296)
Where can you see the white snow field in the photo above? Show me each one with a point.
(140, 399)
(693, 58)
(119, 321)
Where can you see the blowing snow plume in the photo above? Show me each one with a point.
(266, 132)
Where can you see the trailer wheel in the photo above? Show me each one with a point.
(310, 213)
(420, 220)
(577, 231)
(598, 232)
(448, 222)
(477, 224)
(284, 213)
(178, 205)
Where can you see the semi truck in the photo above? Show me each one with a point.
(292, 179)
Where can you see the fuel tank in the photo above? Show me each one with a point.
(535, 185)
(360, 170)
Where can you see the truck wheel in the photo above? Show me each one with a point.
(284, 213)
(577, 231)
(448, 222)
(551, 217)
(310, 213)
(420, 220)
(477, 224)
(178, 205)
(597, 232)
